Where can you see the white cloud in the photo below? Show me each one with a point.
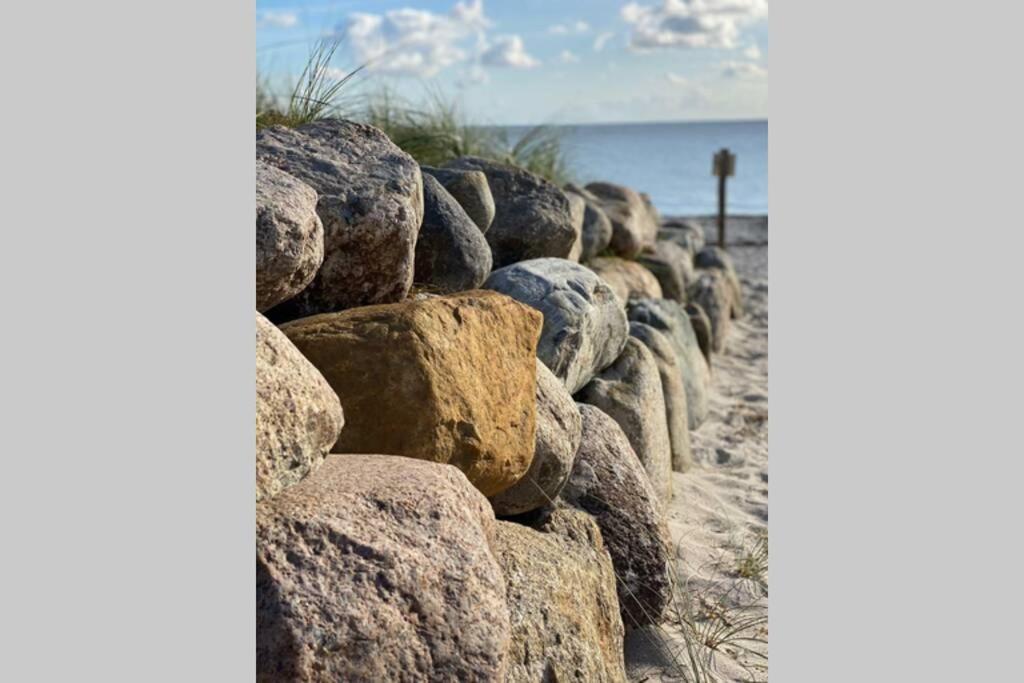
(415, 42)
(278, 19)
(752, 52)
(508, 51)
(577, 27)
(568, 57)
(743, 70)
(600, 41)
(691, 23)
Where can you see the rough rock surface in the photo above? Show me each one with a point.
(585, 327)
(558, 438)
(597, 229)
(711, 291)
(470, 190)
(672, 266)
(298, 415)
(673, 391)
(719, 259)
(633, 227)
(532, 217)
(379, 568)
(687, 234)
(609, 482)
(562, 601)
(451, 252)
(671, 318)
(629, 391)
(628, 279)
(371, 206)
(450, 379)
(289, 236)
(701, 328)
(578, 210)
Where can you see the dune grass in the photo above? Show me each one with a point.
(317, 94)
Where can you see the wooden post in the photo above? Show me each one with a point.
(724, 166)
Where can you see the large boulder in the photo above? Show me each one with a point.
(673, 391)
(371, 206)
(532, 217)
(298, 415)
(671, 318)
(717, 258)
(585, 327)
(711, 291)
(596, 234)
(686, 233)
(558, 437)
(672, 266)
(628, 279)
(578, 211)
(450, 379)
(701, 328)
(609, 482)
(289, 236)
(379, 568)
(629, 391)
(562, 601)
(451, 252)
(470, 190)
(633, 226)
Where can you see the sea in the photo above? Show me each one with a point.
(672, 162)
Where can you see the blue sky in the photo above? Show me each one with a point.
(539, 61)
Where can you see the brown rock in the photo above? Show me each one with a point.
(711, 291)
(298, 416)
(449, 379)
(628, 279)
(379, 568)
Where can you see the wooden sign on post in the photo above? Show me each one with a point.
(724, 166)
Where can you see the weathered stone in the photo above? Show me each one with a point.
(585, 327)
(688, 234)
(672, 266)
(652, 211)
(578, 210)
(379, 568)
(371, 206)
(609, 482)
(562, 601)
(470, 189)
(558, 437)
(298, 415)
(632, 225)
(628, 279)
(289, 236)
(629, 391)
(717, 258)
(597, 229)
(673, 391)
(450, 379)
(712, 293)
(701, 329)
(532, 217)
(671, 318)
(451, 252)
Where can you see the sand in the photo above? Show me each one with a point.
(719, 516)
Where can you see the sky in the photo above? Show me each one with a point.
(528, 62)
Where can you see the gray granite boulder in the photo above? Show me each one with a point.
(711, 291)
(673, 391)
(370, 204)
(470, 190)
(629, 391)
(671, 318)
(718, 259)
(633, 227)
(628, 279)
(532, 217)
(452, 254)
(585, 326)
(686, 233)
(562, 600)
(557, 438)
(298, 415)
(701, 328)
(289, 236)
(672, 266)
(596, 234)
(379, 568)
(609, 482)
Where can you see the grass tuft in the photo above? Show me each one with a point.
(317, 94)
